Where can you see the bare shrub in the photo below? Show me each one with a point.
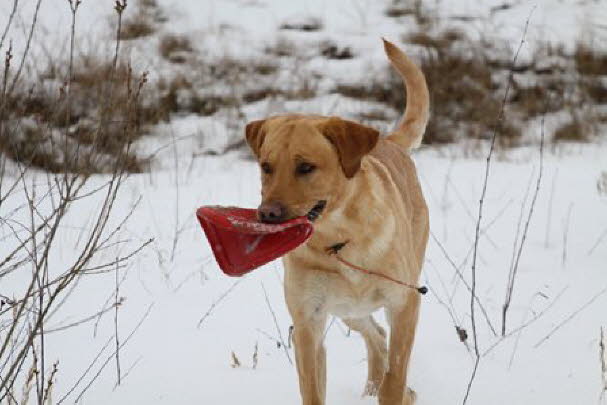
(138, 27)
(175, 48)
(143, 21)
(281, 48)
(535, 100)
(574, 130)
(331, 50)
(384, 87)
(403, 8)
(589, 61)
(462, 91)
(303, 23)
(38, 117)
(441, 41)
(37, 280)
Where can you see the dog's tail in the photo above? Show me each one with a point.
(410, 130)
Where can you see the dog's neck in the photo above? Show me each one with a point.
(356, 213)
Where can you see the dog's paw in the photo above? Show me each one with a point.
(409, 397)
(371, 389)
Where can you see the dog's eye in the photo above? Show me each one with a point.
(305, 168)
(266, 168)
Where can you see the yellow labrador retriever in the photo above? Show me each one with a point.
(364, 194)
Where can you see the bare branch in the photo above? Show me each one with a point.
(480, 208)
(514, 270)
(216, 302)
(284, 346)
(569, 318)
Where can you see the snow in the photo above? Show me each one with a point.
(174, 361)
(181, 353)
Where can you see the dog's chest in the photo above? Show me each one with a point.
(346, 302)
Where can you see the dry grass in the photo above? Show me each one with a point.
(102, 101)
(403, 8)
(283, 47)
(143, 21)
(539, 99)
(467, 80)
(463, 92)
(589, 61)
(175, 48)
(574, 130)
(464, 95)
(306, 24)
(443, 40)
(137, 27)
(331, 50)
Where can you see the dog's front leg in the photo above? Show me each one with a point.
(403, 320)
(310, 356)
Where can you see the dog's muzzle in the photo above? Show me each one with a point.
(315, 212)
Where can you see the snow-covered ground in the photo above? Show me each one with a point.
(193, 317)
(176, 360)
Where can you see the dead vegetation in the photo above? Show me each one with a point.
(303, 23)
(283, 47)
(143, 21)
(38, 130)
(331, 50)
(466, 80)
(404, 8)
(175, 48)
(574, 130)
(90, 120)
(589, 61)
(467, 83)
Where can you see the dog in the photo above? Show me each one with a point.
(365, 196)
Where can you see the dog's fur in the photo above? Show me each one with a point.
(374, 201)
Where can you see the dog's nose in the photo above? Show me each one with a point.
(272, 212)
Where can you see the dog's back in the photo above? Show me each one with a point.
(404, 175)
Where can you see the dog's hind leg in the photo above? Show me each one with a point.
(375, 340)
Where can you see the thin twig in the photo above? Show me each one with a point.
(598, 242)
(216, 302)
(480, 209)
(116, 336)
(27, 47)
(603, 361)
(9, 22)
(566, 234)
(549, 211)
(569, 318)
(524, 325)
(128, 338)
(461, 277)
(514, 271)
(286, 350)
(83, 375)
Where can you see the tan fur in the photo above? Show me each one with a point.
(375, 202)
(410, 130)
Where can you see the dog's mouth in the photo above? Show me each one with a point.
(316, 210)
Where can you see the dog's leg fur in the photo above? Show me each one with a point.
(310, 356)
(375, 340)
(403, 320)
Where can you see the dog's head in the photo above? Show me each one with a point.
(306, 161)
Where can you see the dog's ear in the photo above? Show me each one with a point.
(255, 134)
(352, 141)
